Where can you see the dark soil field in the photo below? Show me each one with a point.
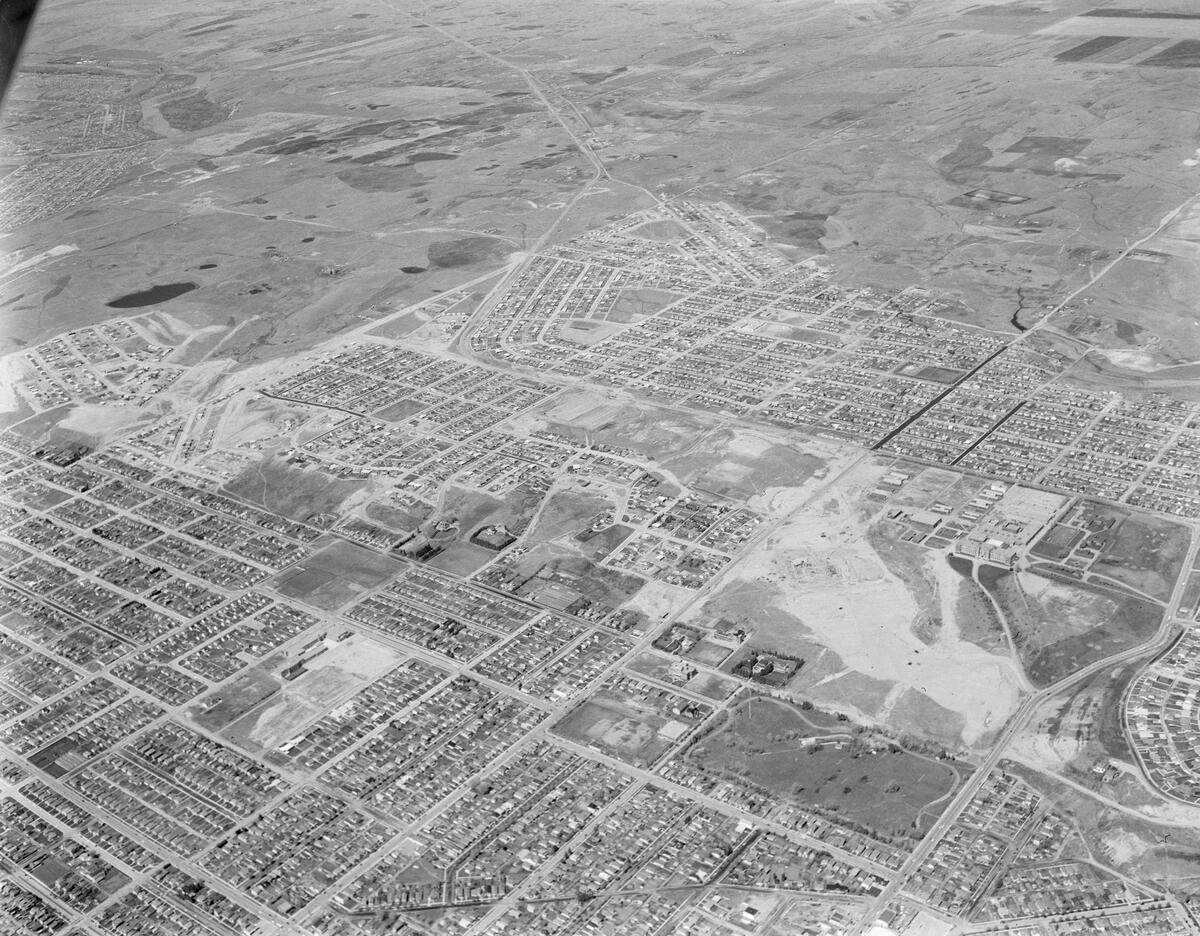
(193, 112)
(1058, 543)
(466, 251)
(215, 711)
(943, 375)
(974, 612)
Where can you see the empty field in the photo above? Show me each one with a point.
(1146, 553)
(1059, 627)
(610, 725)
(298, 493)
(331, 679)
(336, 574)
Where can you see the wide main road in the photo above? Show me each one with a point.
(1017, 723)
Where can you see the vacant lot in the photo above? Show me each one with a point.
(597, 546)
(568, 512)
(548, 568)
(1090, 715)
(298, 493)
(1060, 627)
(331, 679)
(234, 699)
(741, 463)
(334, 575)
(1143, 552)
(1167, 853)
(609, 725)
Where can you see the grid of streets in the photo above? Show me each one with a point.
(213, 724)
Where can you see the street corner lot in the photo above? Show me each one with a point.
(1060, 626)
(331, 678)
(638, 734)
(1143, 552)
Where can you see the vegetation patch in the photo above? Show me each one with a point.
(401, 519)
(334, 575)
(1090, 716)
(974, 613)
(304, 494)
(216, 710)
(375, 179)
(818, 760)
(918, 716)
(467, 250)
(569, 512)
(1060, 627)
(192, 112)
(1146, 553)
(636, 733)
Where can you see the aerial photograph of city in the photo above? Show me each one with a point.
(600, 468)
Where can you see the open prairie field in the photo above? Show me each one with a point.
(1059, 626)
(808, 756)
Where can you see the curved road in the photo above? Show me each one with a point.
(1019, 720)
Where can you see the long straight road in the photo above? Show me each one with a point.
(1016, 724)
